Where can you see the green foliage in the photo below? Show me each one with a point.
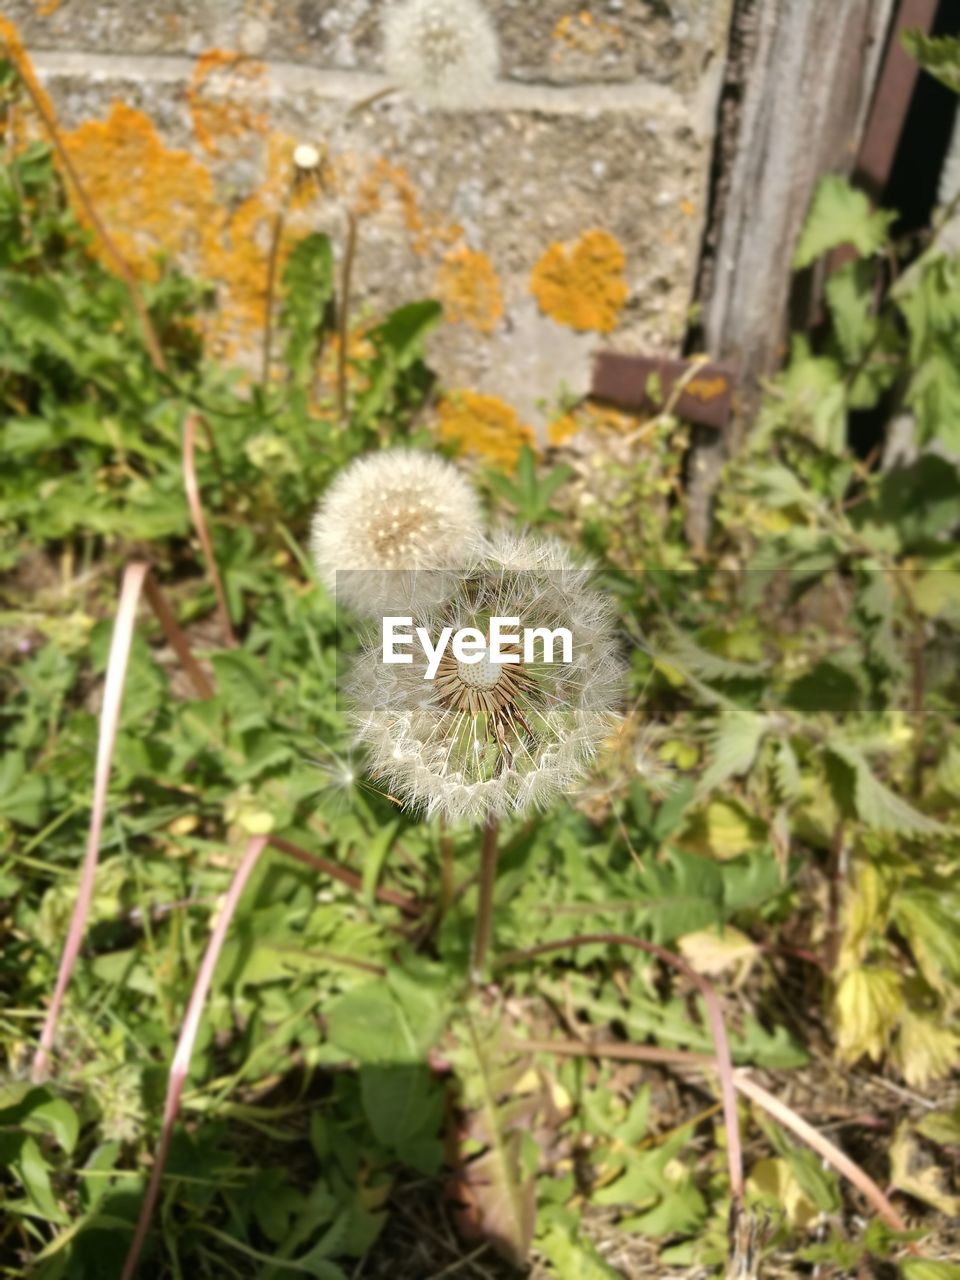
(792, 706)
(940, 55)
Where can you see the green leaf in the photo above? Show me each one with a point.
(374, 858)
(875, 804)
(923, 1269)
(840, 215)
(734, 746)
(404, 1105)
(850, 293)
(308, 281)
(938, 55)
(403, 332)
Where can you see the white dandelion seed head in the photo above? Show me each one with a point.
(385, 520)
(306, 157)
(488, 740)
(442, 52)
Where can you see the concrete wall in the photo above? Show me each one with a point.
(564, 211)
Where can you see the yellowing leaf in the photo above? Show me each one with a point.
(257, 822)
(867, 1007)
(710, 951)
(864, 915)
(728, 830)
(938, 593)
(773, 1181)
(925, 1050)
(912, 1170)
(671, 674)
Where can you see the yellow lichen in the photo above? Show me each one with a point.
(384, 176)
(469, 289)
(219, 96)
(153, 200)
(45, 8)
(583, 286)
(584, 33)
(562, 429)
(484, 426)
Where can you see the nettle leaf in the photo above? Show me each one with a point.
(735, 743)
(840, 214)
(930, 921)
(680, 895)
(873, 802)
(850, 292)
(938, 55)
(786, 771)
(687, 654)
(934, 395)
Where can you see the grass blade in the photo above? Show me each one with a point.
(133, 580)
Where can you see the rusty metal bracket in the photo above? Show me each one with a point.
(645, 384)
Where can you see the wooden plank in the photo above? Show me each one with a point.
(806, 90)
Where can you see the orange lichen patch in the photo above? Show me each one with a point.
(687, 207)
(586, 34)
(153, 200)
(12, 48)
(582, 287)
(219, 96)
(384, 178)
(483, 425)
(469, 289)
(562, 429)
(45, 8)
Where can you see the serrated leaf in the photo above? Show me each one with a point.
(733, 749)
(867, 1007)
(840, 214)
(874, 802)
(925, 1050)
(938, 55)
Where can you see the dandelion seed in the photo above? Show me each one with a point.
(442, 52)
(385, 520)
(483, 740)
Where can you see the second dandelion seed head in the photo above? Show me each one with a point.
(444, 53)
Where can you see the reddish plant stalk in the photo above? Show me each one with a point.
(180, 1066)
(714, 1015)
(176, 639)
(783, 1114)
(195, 503)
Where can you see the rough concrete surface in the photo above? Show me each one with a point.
(601, 122)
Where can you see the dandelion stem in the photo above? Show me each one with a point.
(273, 262)
(489, 854)
(447, 886)
(346, 287)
